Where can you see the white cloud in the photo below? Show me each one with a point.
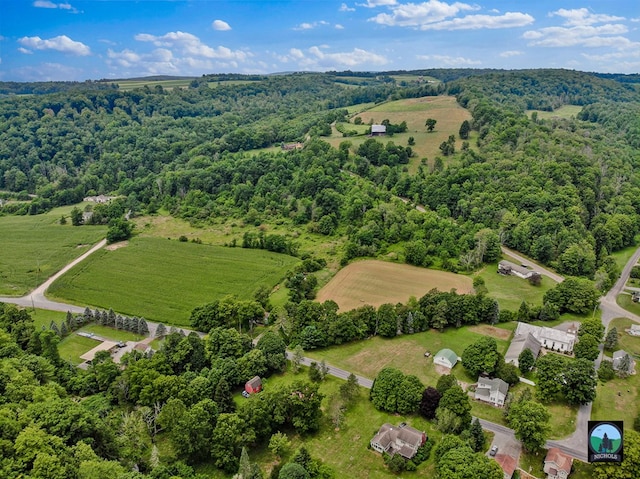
(190, 45)
(345, 8)
(316, 58)
(220, 25)
(511, 53)
(608, 35)
(416, 15)
(580, 28)
(582, 16)
(51, 5)
(377, 3)
(60, 43)
(310, 26)
(437, 15)
(25, 51)
(339, 27)
(476, 22)
(448, 61)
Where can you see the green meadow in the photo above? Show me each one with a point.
(163, 280)
(35, 247)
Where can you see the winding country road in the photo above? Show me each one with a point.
(37, 299)
(575, 445)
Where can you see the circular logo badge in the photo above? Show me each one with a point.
(605, 439)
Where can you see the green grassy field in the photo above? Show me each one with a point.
(164, 280)
(617, 399)
(624, 300)
(74, 346)
(345, 449)
(35, 247)
(128, 85)
(510, 291)
(445, 110)
(566, 111)
(621, 257)
(405, 353)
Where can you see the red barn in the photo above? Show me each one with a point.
(253, 385)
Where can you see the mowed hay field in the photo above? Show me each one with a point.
(35, 247)
(163, 280)
(415, 111)
(378, 282)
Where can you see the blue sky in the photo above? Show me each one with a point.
(78, 40)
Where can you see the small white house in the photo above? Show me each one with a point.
(493, 391)
(446, 357)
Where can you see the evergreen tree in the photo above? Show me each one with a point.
(54, 327)
(88, 315)
(63, 329)
(611, 340)
(71, 325)
(111, 318)
(476, 436)
(143, 327)
(161, 330)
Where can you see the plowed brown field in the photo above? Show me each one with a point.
(378, 282)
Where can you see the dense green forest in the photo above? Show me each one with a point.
(564, 191)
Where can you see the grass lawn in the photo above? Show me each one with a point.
(164, 280)
(510, 291)
(346, 450)
(35, 247)
(43, 317)
(624, 300)
(405, 353)
(565, 111)
(74, 346)
(608, 405)
(622, 256)
(111, 333)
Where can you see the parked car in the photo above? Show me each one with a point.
(493, 451)
(245, 394)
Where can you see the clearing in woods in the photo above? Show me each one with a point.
(415, 111)
(378, 282)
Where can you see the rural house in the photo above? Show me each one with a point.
(446, 357)
(493, 391)
(378, 130)
(509, 268)
(618, 358)
(404, 440)
(557, 465)
(253, 385)
(508, 464)
(520, 342)
(549, 338)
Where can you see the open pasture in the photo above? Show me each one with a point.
(378, 282)
(163, 280)
(565, 111)
(35, 247)
(128, 85)
(415, 111)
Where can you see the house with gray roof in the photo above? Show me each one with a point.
(528, 335)
(404, 440)
(492, 391)
(509, 268)
(446, 357)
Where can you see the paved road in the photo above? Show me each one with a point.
(37, 299)
(575, 445)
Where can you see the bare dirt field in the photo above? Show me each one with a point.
(378, 282)
(492, 331)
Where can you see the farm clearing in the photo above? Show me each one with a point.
(377, 282)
